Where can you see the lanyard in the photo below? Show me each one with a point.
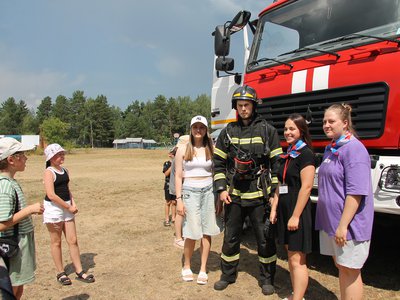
(285, 169)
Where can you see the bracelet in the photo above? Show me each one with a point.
(180, 197)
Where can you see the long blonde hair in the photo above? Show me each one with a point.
(207, 143)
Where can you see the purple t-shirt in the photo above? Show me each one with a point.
(348, 173)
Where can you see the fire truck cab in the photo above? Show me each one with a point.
(308, 54)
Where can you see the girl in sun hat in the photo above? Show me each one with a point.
(22, 266)
(195, 197)
(59, 216)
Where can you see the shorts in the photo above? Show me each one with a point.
(55, 214)
(200, 218)
(168, 196)
(23, 265)
(352, 255)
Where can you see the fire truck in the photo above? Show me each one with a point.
(301, 56)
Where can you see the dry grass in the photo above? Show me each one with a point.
(124, 244)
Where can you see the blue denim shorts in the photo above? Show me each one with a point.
(200, 218)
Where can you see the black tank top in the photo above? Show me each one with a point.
(60, 185)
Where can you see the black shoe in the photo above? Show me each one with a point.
(267, 289)
(221, 285)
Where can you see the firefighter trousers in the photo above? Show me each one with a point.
(234, 218)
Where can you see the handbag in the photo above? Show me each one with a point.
(9, 245)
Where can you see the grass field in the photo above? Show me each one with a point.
(124, 244)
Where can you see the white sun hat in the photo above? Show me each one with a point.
(52, 150)
(9, 146)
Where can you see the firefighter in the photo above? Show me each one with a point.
(246, 163)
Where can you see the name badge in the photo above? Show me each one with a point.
(283, 189)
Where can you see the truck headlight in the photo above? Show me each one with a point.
(390, 179)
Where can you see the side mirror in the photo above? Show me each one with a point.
(222, 32)
(239, 21)
(225, 64)
(221, 41)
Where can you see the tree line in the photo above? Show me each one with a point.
(85, 121)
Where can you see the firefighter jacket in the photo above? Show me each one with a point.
(258, 142)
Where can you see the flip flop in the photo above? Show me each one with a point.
(202, 278)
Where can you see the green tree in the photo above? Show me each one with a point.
(12, 115)
(30, 124)
(99, 122)
(54, 131)
(134, 121)
(77, 117)
(118, 122)
(159, 120)
(61, 109)
(43, 111)
(202, 106)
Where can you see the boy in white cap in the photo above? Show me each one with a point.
(15, 214)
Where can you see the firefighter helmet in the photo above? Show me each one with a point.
(244, 93)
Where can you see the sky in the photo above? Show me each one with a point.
(126, 50)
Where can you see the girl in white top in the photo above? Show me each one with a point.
(195, 197)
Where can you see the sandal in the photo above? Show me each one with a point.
(202, 278)
(88, 279)
(63, 278)
(180, 243)
(167, 223)
(187, 275)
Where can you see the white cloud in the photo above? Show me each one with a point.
(32, 87)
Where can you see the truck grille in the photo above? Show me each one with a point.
(368, 104)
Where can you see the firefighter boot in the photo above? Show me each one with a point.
(267, 285)
(220, 285)
(267, 289)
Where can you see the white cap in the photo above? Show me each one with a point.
(52, 150)
(9, 146)
(199, 119)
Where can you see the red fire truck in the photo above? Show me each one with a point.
(306, 55)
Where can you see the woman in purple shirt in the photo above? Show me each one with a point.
(345, 202)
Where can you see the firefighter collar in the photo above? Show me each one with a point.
(335, 145)
(292, 150)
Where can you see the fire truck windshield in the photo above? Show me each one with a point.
(316, 26)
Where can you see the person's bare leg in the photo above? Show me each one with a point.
(178, 227)
(72, 240)
(298, 274)
(55, 230)
(173, 211)
(18, 290)
(205, 252)
(188, 252)
(167, 207)
(351, 285)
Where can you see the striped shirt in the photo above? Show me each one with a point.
(8, 199)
